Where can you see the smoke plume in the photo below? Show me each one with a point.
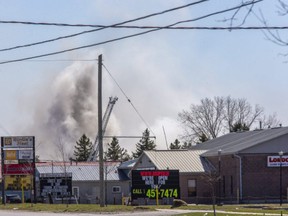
(68, 112)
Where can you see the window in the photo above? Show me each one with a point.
(116, 189)
(192, 188)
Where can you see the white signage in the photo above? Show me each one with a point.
(18, 141)
(55, 175)
(26, 154)
(10, 161)
(274, 161)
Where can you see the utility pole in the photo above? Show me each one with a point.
(100, 132)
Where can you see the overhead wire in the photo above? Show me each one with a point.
(128, 36)
(128, 99)
(182, 28)
(64, 60)
(93, 30)
(91, 25)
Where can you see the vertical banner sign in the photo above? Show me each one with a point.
(18, 163)
(146, 183)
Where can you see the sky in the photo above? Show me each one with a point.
(54, 98)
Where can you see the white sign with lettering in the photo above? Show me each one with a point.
(26, 154)
(274, 161)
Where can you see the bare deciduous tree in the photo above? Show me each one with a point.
(206, 118)
(62, 154)
(269, 121)
(212, 178)
(217, 116)
(274, 35)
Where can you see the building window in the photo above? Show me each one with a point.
(116, 189)
(192, 188)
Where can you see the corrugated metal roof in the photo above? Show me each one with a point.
(183, 160)
(236, 142)
(81, 171)
(127, 164)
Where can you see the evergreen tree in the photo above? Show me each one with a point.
(202, 138)
(144, 144)
(125, 156)
(115, 152)
(83, 148)
(175, 145)
(186, 145)
(239, 127)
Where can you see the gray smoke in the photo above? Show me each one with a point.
(68, 111)
(73, 110)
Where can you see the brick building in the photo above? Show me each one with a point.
(238, 167)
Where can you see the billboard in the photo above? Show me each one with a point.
(147, 183)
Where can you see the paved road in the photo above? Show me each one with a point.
(160, 212)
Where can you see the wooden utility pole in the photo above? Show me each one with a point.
(100, 133)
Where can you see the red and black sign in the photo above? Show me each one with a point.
(16, 169)
(153, 183)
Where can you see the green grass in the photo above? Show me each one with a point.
(75, 208)
(248, 208)
(85, 208)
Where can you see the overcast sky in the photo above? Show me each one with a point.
(162, 72)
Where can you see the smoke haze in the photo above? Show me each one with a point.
(70, 111)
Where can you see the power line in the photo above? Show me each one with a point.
(91, 25)
(93, 30)
(138, 113)
(128, 36)
(162, 27)
(64, 60)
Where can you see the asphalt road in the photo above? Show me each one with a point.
(160, 212)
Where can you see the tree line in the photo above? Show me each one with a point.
(84, 147)
(201, 122)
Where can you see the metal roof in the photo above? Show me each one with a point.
(236, 142)
(186, 161)
(127, 164)
(82, 171)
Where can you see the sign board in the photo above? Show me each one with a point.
(14, 169)
(25, 155)
(18, 142)
(55, 185)
(274, 161)
(147, 183)
(18, 164)
(15, 182)
(10, 161)
(10, 154)
(53, 175)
